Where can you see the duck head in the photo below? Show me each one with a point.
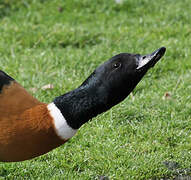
(107, 86)
(118, 76)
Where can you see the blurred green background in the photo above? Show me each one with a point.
(60, 42)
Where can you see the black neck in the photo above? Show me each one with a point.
(81, 105)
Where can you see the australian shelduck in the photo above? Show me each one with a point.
(29, 128)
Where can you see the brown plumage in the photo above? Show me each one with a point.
(26, 128)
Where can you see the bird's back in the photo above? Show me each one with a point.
(14, 99)
(26, 128)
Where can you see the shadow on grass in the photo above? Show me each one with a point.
(3, 173)
(4, 9)
(177, 173)
(83, 41)
(9, 6)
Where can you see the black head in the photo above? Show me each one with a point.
(118, 76)
(108, 85)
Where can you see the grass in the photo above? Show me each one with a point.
(61, 42)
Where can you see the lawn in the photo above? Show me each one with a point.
(148, 135)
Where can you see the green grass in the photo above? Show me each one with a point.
(61, 42)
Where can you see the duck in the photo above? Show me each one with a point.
(30, 128)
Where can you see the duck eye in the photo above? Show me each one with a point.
(117, 65)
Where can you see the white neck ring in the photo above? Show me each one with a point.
(63, 130)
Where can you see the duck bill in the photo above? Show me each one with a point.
(150, 60)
